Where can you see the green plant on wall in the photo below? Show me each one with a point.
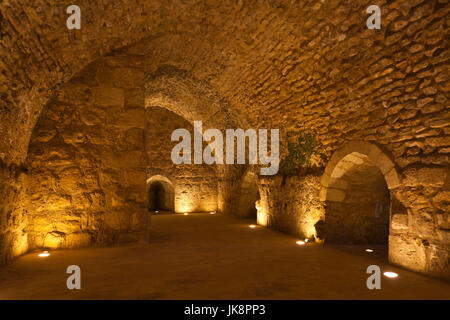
(300, 154)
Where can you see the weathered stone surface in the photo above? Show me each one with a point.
(292, 207)
(104, 166)
(424, 176)
(229, 70)
(399, 222)
(408, 252)
(195, 186)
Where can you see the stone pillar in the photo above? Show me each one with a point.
(420, 233)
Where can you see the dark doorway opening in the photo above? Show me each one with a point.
(358, 203)
(161, 196)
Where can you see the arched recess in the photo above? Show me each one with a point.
(180, 92)
(193, 99)
(356, 189)
(160, 193)
(248, 193)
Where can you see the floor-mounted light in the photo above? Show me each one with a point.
(252, 226)
(156, 211)
(390, 274)
(212, 212)
(186, 214)
(44, 254)
(369, 250)
(300, 243)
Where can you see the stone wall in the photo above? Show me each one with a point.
(420, 224)
(195, 185)
(87, 161)
(291, 204)
(293, 65)
(13, 212)
(418, 206)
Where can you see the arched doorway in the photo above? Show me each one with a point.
(357, 207)
(160, 194)
(356, 194)
(248, 195)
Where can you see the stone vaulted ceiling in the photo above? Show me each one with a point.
(286, 64)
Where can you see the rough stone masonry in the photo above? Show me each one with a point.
(74, 122)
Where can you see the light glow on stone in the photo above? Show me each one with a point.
(44, 254)
(390, 274)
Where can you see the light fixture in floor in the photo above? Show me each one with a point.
(212, 212)
(186, 214)
(157, 211)
(369, 250)
(306, 240)
(44, 254)
(300, 243)
(390, 274)
(252, 226)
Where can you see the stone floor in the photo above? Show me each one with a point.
(204, 256)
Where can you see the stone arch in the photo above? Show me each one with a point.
(356, 189)
(181, 93)
(373, 152)
(160, 193)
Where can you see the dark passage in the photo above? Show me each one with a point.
(156, 197)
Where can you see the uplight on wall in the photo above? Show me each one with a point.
(261, 216)
(44, 254)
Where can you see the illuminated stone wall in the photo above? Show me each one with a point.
(417, 198)
(291, 205)
(87, 161)
(195, 186)
(13, 212)
(292, 65)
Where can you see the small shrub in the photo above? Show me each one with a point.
(300, 154)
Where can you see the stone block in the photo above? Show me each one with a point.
(392, 179)
(431, 176)
(407, 252)
(109, 97)
(399, 222)
(335, 195)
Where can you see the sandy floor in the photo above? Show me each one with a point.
(204, 256)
